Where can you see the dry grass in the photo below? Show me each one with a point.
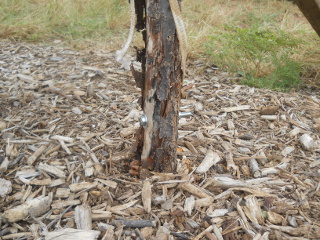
(210, 35)
(105, 23)
(72, 20)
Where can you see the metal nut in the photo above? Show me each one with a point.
(143, 121)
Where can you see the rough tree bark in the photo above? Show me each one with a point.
(160, 82)
(311, 10)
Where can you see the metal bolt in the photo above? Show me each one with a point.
(185, 114)
(143, 121)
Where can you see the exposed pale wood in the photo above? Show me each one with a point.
(254, 209)
(62, 192)
(306, 141)
(76, 187)
(72, 234)
(146, 196)
(33, 208)
(109, 234)
(123, 206)
(83, 217)
(64, 146)
(62, 204)
(210, 159)
(269, 117)
(101, 215)
(52, 170)
(189, 204)
(254, 167)
(196, 190)
(4, 166)
(36, 154)
(108, 183)
(204, 202)
(234, 109)
(5, 187)
(62, 138)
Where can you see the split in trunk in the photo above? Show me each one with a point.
(160, 82)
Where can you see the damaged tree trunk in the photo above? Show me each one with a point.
(160, 84)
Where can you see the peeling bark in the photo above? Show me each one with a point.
(161, 85)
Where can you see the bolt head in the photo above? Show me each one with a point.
(143, 121)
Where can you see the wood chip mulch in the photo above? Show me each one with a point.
(248, 159)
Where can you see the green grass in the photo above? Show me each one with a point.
(72, 20)
(268, 42)
(284, 76)
(262, 56)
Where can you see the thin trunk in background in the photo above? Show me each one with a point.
(311, 10)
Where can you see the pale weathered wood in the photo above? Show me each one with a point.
(307, 142)
(83, 217)
(61, 204)
(76, 187)
(31, 208)
(52, 170)
(210, 159)
(4, 166)
(36, 154)
(196, 190)
(5, 187)
(62, 192)
(146, 196)
(72, 234)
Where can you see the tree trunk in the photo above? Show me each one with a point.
(311, 10)
(160, 83)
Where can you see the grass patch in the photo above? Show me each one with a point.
(262, 56)
(251, 37)
(73, 20)
(284, 76)
(268, 42)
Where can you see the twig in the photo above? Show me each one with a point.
(137, 231)
(133, 223)
(36, 154)
(180, 236)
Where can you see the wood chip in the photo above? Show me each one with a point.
(146, 196)
(234, 109)
(210, 159)
(36, 154)
(76, 187)
(83, 217)
(70, 234)
(68, 129)
(34, 208)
